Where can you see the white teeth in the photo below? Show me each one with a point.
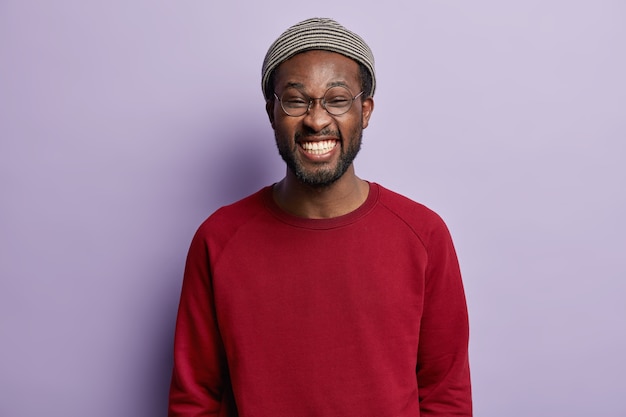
(319, 148)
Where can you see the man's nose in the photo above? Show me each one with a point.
(317, 117)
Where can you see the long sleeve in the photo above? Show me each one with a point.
(200, 385)
(442, 364)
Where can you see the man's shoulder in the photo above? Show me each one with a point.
(404, 206)
(229, 218)
(422, 219)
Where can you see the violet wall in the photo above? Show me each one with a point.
(123, 124)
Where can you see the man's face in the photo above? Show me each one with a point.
(317, 146)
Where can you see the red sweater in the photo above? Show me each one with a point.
(357, 316)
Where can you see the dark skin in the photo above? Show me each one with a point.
(313, 72)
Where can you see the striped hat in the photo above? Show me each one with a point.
(317, 33)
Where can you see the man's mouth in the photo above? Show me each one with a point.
(320, 147)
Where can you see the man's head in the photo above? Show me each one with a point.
(318, 34)
(318, 79)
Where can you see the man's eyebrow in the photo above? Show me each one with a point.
(295, 85)
(337, 84)
(301, 87)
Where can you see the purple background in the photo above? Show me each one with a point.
(123, 124)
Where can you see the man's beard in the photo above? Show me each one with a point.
(322, 176)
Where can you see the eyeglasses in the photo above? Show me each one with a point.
(336, 101)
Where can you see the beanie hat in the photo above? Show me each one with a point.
(314, 34)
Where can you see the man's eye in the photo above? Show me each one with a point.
(296, 102)
(338, 101)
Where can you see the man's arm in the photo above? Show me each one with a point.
(442, 362)
(200, 375)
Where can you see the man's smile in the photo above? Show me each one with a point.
(319, 147)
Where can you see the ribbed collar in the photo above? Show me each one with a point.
(322, 224)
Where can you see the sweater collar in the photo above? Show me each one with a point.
(322, 224)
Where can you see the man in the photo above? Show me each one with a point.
(324, 294)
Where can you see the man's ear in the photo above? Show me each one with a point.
(367, 107)
(269, 109)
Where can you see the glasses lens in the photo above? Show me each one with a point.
(294, 103)
(337, 100)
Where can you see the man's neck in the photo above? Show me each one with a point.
(341, 197)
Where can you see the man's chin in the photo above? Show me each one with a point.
(320, 176)
(318, 179)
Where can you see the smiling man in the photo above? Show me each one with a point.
(323, 294)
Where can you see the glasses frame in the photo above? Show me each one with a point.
(322, 102)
